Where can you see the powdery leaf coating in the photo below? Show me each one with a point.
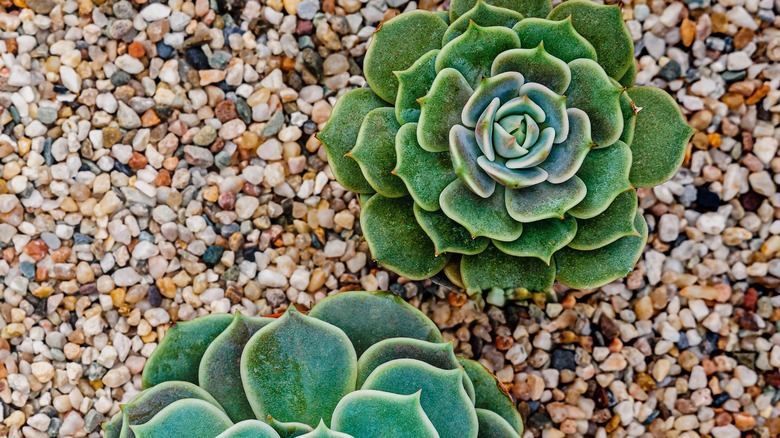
(517, 128)
(300, 375)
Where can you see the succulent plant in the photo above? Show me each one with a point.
(502, 143)
(360, 364)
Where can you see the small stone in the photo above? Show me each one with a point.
(155, 11)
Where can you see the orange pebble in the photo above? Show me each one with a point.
(136, 50)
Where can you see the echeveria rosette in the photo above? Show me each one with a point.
(328, 374)
(503, 144)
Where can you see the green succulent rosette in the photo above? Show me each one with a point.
(503, 143)
(359, 365)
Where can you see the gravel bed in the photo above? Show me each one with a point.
(158, 163)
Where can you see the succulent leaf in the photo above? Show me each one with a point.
(536, 65)
(660, 138)
(528, 8)
(249, 429)
(464, 151)
(591, 269)
(481, 217)
(485, 15)
(593, 92)
(442, 395)
(396, 45)
(613, 223)
(628, 79)
(396, 240)
(187, 417)
(559, 38)
(375, 152)
(545, 200)
(181, 350)
(473, 52)
(492, 425)
(605, 174)
(502, 86)
(414, 83)
(628, 108)
(283, 365)
(439, 355)
(426, 174)
(322, 431)
(490, 395)
(383, 315)
(566, 158)
(220, 374)
(494, 268)
(113, 427)
(553, 105)
(441, 109)
(603, 27)
(341, 133)
(144, 407)
(290, 429)
(541, 239)
(446, 234)
(377, 414)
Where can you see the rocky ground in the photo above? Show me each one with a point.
(158, 163)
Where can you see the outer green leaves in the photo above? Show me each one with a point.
(660, 138)
(180, 350)
(605, 173)
(481, 217)
(603, 27)
(284, 365)
(375, 152)
(529, 8)
(541, 239)
(591, 269)
(439, 355)
(484, 15)
(494, 268)
(414, 83)
(473, 53)
(426, 174)
(146, 405)
(443, 397)
(396, 240)
(593, 92)
(249, 429)
(376, 414)
(536, 65)
(383, 315)
(491, 395)
(220, 373)
(441, 109)
(396, 45)
(188, 417)
(322, 431)
(446, 234)
(559, 38)
(615, 222)
(341, 133)
(545, 200)
(492, 425)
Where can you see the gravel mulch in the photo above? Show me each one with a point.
(112, 227)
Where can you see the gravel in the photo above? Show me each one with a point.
(158, 163)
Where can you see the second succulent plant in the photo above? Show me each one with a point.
(502, 143)
(360, 364)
